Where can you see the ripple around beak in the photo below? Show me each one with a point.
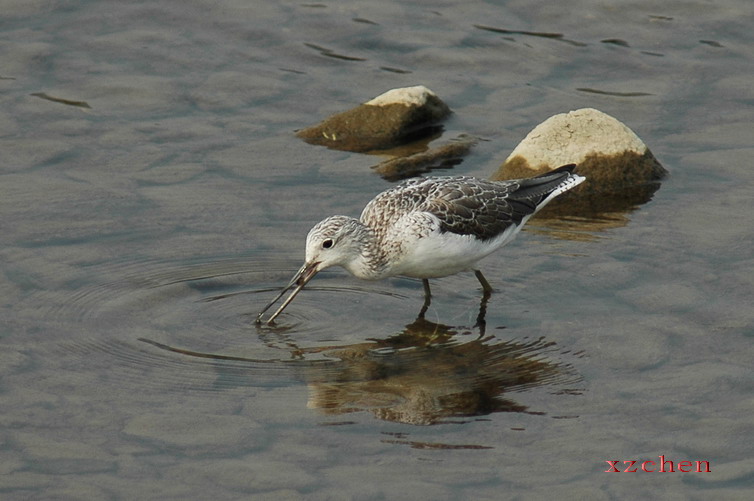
(300, 279)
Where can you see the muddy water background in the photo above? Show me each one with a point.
(140, 231)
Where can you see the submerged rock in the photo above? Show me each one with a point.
(393, 118)
(609, 154)
(444, 156)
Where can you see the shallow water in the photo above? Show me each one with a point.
(154, 198)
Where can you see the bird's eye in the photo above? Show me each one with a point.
(327, 243)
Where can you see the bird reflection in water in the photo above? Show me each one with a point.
(431, 373)
(426, 374)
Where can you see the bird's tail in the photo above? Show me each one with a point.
(539, 190)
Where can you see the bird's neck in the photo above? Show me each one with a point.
(370, 263)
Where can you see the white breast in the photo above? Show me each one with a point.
(420, 250)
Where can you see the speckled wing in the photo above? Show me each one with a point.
(466, 205)
(463, 205)
(469, 206)
(486, 208)
(384, 210)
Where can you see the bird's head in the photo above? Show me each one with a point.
(335, 241)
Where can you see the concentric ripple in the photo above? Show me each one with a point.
(356, 346)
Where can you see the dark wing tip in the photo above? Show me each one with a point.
(563, 168)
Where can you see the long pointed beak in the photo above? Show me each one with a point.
(300, 279)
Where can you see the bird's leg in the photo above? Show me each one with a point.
(481, 323)
(427, 298)
(486, 293)
(486, 287)
(427, 293)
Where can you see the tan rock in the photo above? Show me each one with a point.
(393, 118)
(609, 154)
(621, 172)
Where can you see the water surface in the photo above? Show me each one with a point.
(154, 197)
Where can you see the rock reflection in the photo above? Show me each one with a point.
(582, 216)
